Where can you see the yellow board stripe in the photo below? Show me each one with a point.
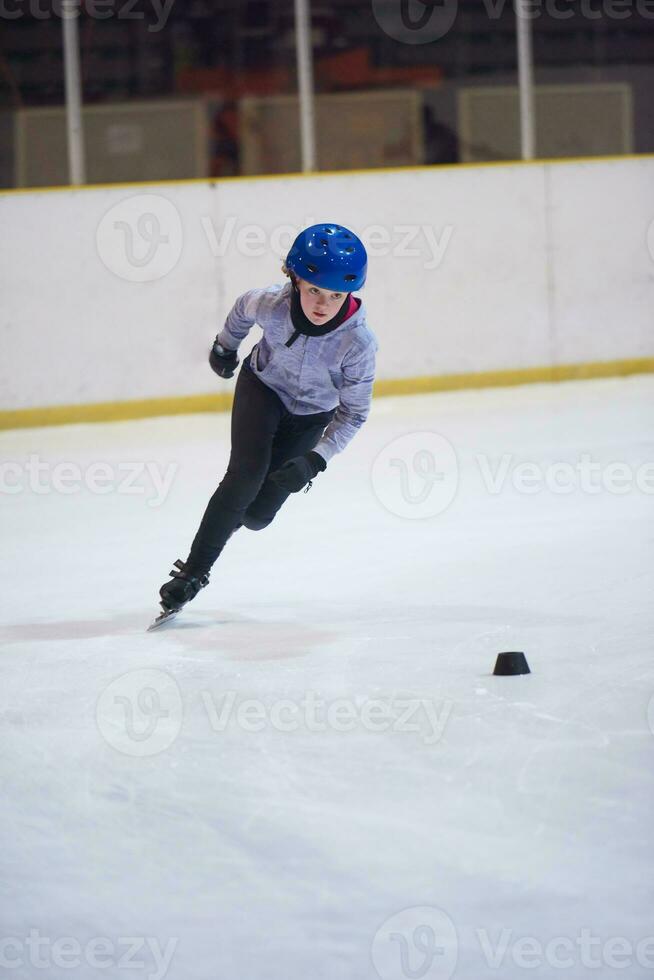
(28, 418)
(371, 172)
(517, 376)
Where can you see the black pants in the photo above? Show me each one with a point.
(264, 435)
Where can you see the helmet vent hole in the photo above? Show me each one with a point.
(312, 268)
(350, 278)
(349, 249)
(323, 242)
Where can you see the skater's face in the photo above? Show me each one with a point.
(319, 305)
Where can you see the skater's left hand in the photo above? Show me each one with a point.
(297, 473)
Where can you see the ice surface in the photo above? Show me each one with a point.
(142, 798)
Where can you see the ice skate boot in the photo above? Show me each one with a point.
(182, 587)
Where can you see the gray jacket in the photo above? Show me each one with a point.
(313, 374)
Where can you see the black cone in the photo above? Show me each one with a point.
(511, 663)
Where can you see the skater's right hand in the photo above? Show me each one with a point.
(224, 362)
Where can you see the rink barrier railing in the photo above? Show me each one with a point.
(121, 411)
(313, 174)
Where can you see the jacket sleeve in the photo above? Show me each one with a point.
(354, 404)
(241, 318)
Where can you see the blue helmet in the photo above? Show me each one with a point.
(329, 256)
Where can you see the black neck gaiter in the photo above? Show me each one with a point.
(303, 324)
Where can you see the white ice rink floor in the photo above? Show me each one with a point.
(313, 774)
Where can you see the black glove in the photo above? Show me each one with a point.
(224, 362)
(296, 473)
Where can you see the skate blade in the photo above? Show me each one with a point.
(163, 617)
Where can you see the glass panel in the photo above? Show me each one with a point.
(208, 87)
(162, 85)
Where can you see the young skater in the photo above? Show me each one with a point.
(300, 396)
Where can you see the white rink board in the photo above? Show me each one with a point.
(602, 262)
(74, 331)
(508, 267)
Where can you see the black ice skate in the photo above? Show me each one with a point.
(177, 592)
